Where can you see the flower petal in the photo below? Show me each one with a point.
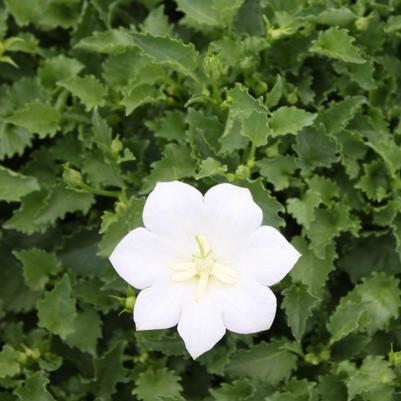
(141, 258)
(230, 212)
(159, 306)
(266, 256)
(174, 210)
(249, 307)
(201, 326)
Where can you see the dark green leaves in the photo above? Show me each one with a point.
(337, 43)
(14, 186)
(57, 311)
(270, 362)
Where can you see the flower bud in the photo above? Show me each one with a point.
(212, 65)
(72, 178)
(116, 146)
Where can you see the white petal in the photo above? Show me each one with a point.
(249, 307)
(159, 307)
(175, 210)
(230, 212)
(141, 258)
(201, 326)
(266, 256)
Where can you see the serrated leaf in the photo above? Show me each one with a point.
(268, 203)
(34, 389)
(277, 170)
(60, 201)
(138, 94)
(249, 113)
(210, 167)
(298, 304)
(368, 307)
(311, 270)
(373, 379)
(289, 120)
(37, 118)
(315, 148)
(87, 331)
(109, 371)
(9, 362)
(171, 126)
(240, 390)
(154, 385)
(168, 51)
(57, 311)
(198, 14)
(88, 89)
(176, 164)
(269, 362)
(14, 186)
(38, 265)
(13, 140)
(115, 226)
(337, 43)
(59, 68)
(111, 41)
(157, 23)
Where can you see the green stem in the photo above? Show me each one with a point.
(102, 192)
(251, 156)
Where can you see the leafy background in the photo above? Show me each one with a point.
(297, 100)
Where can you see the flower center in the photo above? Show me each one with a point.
(202, 267)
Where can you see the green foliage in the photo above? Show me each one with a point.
(297, 101)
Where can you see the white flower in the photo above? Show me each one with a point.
(204, 263)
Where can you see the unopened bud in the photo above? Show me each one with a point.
(72, 178)
(212, 65)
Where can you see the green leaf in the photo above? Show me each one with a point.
(109, 371)
(34, 389)
(336, 117)
(38, 265)
(375, 181)
(239, 390)
(111, 41)
(168, 51)
(269, 362)
(211, 167)
(268, 203)
(9, 362)
(14, 186)
(23, 11)
(337, 43)
(315, 148)
(278, 170)
(13, 140)
(61, 201)
(56, 311)
(369, 307)
(249, 113)
(59, 68)
(289, 120)
(171, 126)
(153, 385)
(298, 304)
(157, 23)
(199, 14)
(311, 270)
(37, 118)
(176, 164)
(138, 94)
(88, 89)
(87, 331)
(372, 380)
(116, 225)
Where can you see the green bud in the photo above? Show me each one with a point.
(116, 146)
(212, 65)
(395, 358)
(242, 172)
(72, 178)
(362, 23)
(129, 302)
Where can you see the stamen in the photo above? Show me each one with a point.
(183, 266)
(184, 275)
(202, 283)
